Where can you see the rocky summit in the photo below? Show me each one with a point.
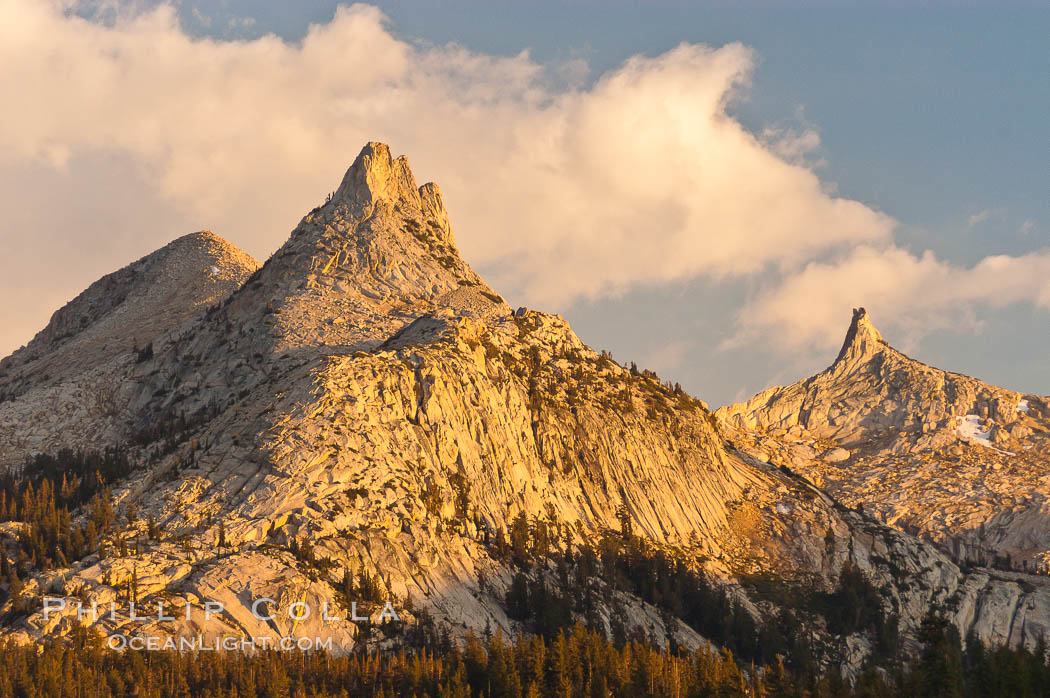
(71, 384)
(939, 454)
(363, 419)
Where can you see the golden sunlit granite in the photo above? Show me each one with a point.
(366, 395)
(941, 454)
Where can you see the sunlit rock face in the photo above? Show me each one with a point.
(366, 397)
(958, 461)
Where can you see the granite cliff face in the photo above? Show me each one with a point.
(958, 461)
(365, 396)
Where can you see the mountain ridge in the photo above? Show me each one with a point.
(183, 276)
(931, 451)
(365, 397)
(72, 384)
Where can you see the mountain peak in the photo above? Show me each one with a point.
(862, 339)
(376, 176)
(380, 250)
(130, 307)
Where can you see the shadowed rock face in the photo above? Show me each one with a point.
(71, 385)
(366, 394)
(930, 451)
(136, 304)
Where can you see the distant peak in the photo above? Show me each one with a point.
(208, 248)
(201, 237)
(862, 337)
(200, 240)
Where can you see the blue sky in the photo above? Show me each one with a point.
(933, 114)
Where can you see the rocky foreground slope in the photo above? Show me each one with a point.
(936, 453)
(364, 402)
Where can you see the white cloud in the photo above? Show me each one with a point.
(239, 25)
(202, 18)
(794, 146)
(914, 294)
(118, 135)
(976, 219)
(564, 192)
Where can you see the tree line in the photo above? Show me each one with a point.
(40, 498)
(577, 662)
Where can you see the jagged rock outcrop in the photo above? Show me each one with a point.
(365, 396)
(355, 271)
(942, 454)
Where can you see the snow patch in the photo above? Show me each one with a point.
(1022, 407)
(214, 270)
(969, 429)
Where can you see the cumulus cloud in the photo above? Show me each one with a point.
(913, 294)
(118, 135)
(794, 146)
(560, 192)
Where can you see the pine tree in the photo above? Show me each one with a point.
(941, 664)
